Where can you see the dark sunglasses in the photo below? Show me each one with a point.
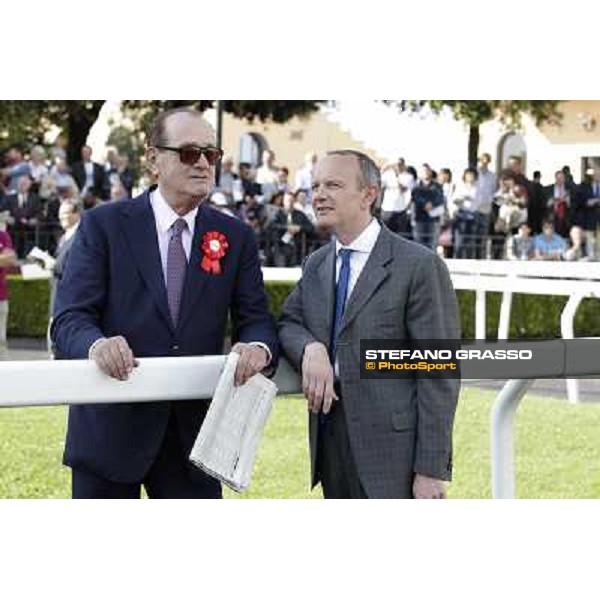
(190, 155)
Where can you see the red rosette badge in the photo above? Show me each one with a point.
(214, 247)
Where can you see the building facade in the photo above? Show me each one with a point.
(387, 133)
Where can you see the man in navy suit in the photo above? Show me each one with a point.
(157, 276)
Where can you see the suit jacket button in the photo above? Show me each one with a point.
(174, 347)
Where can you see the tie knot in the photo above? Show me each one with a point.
(345, 253)
(178, 227)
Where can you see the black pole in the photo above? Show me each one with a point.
(219, 138)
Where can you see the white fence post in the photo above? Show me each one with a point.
(503, 437)
(567, 330)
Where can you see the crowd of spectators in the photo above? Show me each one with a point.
(483, 215)
(494, 216)
(279, 211)
(33, 186)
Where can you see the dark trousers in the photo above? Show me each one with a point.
(335, 463)
(171, 476)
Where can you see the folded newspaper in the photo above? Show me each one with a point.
(228, 440)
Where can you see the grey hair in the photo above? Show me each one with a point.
(157, 133)
(370, 176)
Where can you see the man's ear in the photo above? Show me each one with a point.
(371, 195)
(151, 161)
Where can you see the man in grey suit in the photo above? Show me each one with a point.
(69, 215)
(385, 438)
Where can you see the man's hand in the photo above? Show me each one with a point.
(428, 206)
(427, 488)
(114, 357)
(253, 359)
(317, 378)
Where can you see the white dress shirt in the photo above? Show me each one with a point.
(361, 248)
(165, 216)
(303, 181)
(89, 174)
(68, 234)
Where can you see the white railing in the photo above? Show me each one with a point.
(56, 382)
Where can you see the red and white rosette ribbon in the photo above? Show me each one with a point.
(214, 247)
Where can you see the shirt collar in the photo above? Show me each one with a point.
(69, 233)
(365, 241)
(165, 216)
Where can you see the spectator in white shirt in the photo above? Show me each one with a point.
(397, 184)
(305, 174)
(487, 185)
(465, 202)
(266, 175)
(38, 169)
(227, 177)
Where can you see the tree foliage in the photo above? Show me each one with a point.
(27, 122)
(142, 112)
(508, 112)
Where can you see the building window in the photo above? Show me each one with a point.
(251, 148)
(511, 144)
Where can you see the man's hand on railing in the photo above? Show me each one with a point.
(114, 357)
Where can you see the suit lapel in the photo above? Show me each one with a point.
(372, 276)
(140, 232)
(326, 290)
(196, 277)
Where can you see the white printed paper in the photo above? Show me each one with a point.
(228, 440)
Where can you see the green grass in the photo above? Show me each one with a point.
(558, 451)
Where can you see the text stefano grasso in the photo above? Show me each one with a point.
(214, 246)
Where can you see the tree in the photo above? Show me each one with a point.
(27, 122)
(476, 112)
(143, 111)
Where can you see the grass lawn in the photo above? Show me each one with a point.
(558, 451)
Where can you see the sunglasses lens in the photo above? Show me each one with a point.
(190, 155)
(213, 155)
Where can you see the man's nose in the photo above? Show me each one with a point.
(202, 162)
(318, 191)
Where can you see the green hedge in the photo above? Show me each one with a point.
(531, 316)
(28, 308)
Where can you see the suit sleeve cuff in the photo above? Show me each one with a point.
(94, 345)
(264, 347)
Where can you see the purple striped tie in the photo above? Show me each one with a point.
(176, 266)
